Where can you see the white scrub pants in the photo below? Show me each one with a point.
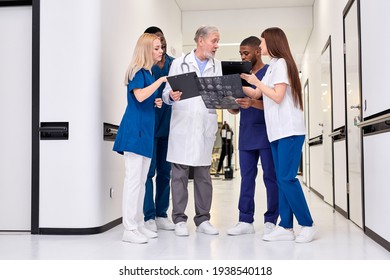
(136, 171)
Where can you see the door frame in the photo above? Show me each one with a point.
(35, 117)
(345, 13)
(328, 47)
(306, 161)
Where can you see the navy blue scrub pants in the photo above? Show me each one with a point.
(157, 206)
(287, 156)
(248, 165)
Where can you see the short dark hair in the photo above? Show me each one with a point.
(153, 30)
(251, 41)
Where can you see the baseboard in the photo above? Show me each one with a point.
(377, 238)
(80, 231)
(317, 193)
(341, 211)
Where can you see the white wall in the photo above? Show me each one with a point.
(236, 25)
(375, 57)
(328, 21)
(317, 174)
(15, 118)
(85, 49)
(377, 184)
(375, 72)
(122, 23)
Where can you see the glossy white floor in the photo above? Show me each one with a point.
(337, 239)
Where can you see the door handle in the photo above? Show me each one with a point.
(54, 131)
(356, 107)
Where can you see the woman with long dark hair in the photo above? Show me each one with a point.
(283, 109)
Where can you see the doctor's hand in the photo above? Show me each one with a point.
(245, 102)
(175, 95)
(158, 102)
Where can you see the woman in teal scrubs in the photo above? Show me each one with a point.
(136, 134)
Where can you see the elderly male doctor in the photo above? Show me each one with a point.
(192, 134)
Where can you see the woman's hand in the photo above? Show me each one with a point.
(250, 78)
(163, 79)
(251, 92)
(158, 102)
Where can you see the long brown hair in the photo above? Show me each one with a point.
(278, 47)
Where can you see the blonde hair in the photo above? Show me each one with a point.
(142, 56)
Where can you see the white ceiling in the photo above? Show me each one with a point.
(202, 5)
(298, 30)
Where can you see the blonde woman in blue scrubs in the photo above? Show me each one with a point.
(283, 109)
(136, 134)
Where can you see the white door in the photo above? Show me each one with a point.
(340, 177)
(353, 108)
(15, 118)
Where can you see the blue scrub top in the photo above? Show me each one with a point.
(253, 132)
(163, 114)
(136, 130)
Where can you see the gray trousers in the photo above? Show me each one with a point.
(203, 191)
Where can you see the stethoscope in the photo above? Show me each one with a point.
(185, 64)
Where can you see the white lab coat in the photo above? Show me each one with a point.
(193, 127)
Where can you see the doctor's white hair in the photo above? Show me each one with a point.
(204, 31)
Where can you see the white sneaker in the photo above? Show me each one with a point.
(207, 228)
(181, 229)
(280, 234)
(134, 236)
(306, 235)
(165, 224)
(151, 225)
(268, 227)
(147, 232)
(241, 228)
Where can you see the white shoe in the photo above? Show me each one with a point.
(165, 224)
(241, 228)
(147, 232)
(306, 235)
(151, 225)
(207, 228)
(134, 236)
(181, 229)
(268, 227)
(280, 234)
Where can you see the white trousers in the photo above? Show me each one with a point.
(136, 172)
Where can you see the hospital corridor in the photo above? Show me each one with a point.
(62, 98)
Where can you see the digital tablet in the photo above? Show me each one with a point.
(237, 67)
(186, 83)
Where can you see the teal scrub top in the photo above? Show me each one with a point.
(136, 130)
(163, 114)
